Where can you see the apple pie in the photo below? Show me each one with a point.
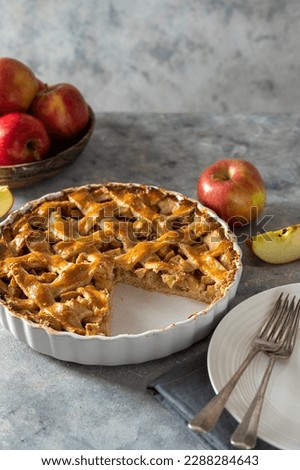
(61, 255)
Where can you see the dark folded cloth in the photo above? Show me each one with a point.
(185, 389)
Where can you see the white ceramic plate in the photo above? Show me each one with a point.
(280, 418)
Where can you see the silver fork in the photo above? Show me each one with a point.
(245, 435)
(267, 339)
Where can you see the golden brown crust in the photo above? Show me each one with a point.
(60, 257)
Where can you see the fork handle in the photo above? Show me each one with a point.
(245, 435)
(208, 417)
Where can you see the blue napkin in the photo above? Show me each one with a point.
(185, 389)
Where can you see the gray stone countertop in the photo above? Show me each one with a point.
(50, 404)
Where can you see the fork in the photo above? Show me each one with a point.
(267, 339)
(245, 435)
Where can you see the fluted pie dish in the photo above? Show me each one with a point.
(115, 273)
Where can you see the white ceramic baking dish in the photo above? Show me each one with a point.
(146, 325)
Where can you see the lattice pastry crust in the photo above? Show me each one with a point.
(61, 255)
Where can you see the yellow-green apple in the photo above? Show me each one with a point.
(23, 139)
(62, 109)
(6, 200)
(234, 189)
(278, 246)
(18, 85)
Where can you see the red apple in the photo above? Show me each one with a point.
(234, 189)
(18, 86)
(62, 109)
(23, 139)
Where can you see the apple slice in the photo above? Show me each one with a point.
(278, 246)
(6, 200)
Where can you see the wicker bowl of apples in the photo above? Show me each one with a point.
(43, 129)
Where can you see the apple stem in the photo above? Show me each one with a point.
(32, 148)
(222, 177)
(30, 145)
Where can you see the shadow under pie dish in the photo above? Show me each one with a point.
(69, 258)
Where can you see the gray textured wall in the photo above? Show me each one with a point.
(162, 55)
